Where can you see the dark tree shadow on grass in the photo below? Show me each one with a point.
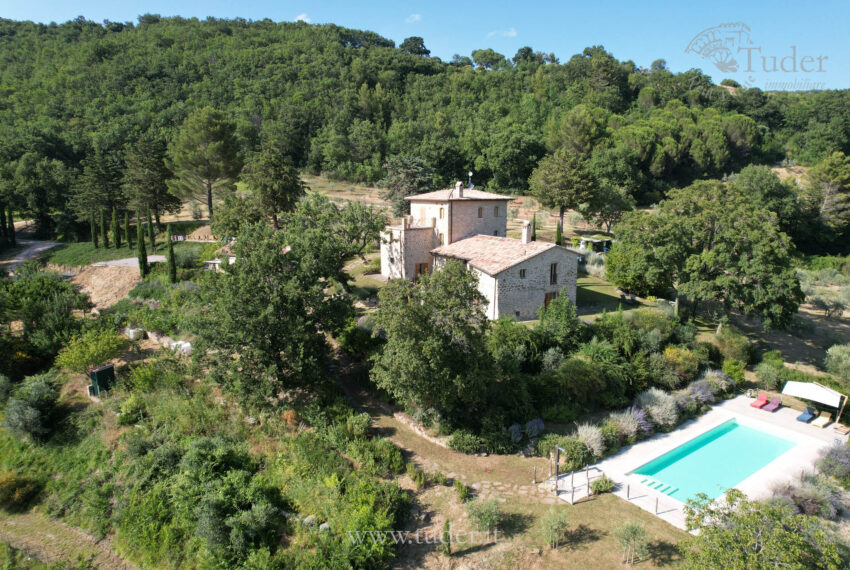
(581, 535)
(515, 523)
(663, 553)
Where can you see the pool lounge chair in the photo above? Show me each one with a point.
(774, 404)
(843, 430)
(822, 421)
(760, 401)
(808, 415)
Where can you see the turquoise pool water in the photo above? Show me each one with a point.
(713, 462)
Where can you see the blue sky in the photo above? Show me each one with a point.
(640, 31)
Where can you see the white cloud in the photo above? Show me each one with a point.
(503, 33)
(413, 18)
(302, 18)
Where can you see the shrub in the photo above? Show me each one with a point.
(439, 478)
(29, 410)
(465, 442)
(702, 392)
(187, 258)
(17, 491)
(835, 462)
(626, 423)
(91, 348)
(484, 515)
(553, 526)
(733, 344)
(357, 425)
(462, 491)
(552, 359)
(132, 410)
(721, 382)
(611, 435)
(6, 387)
(420, 479)
(734, 368)
(592, 437)
(769, 375)
(546, 444)
(662, 372)
(602, 485)
(838, 361)
(575, 455)
(660, 405)
(683, 361)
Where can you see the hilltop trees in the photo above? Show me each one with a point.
(204, 156)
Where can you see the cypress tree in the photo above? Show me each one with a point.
(140, 247)
(169, 256)
(103, 233)
(150, 231)
(11, 222)
(559, 234)
(116, 233)
(534, 227)
(127, 229)
(93, 230)
(3, 229)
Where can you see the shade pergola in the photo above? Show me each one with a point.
(816, 393)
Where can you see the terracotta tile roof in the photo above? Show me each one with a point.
(492, 254)
(452, 194)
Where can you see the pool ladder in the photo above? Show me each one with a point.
(658, 486)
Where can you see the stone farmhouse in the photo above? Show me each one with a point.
(516, 276)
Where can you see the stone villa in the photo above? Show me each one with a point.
(515, 275)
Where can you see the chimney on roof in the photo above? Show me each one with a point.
(526, 231)
(459, 189)
(408, 221)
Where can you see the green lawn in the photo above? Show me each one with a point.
(595, 296)
(84, 253)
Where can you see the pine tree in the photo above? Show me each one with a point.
(140, 247)
(127, 229)
(93, 230)
(534, 227)
(11, 222)
(103, 230)
(559, 234)
(169, 256)
(150, 231)
(116, 233)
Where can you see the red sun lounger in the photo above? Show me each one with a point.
(760, 401)
(773, 405)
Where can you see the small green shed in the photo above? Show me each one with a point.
(102, 379)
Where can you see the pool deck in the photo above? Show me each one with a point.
(790, 465)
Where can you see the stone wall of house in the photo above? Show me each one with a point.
(520, 297)
(403, 248)
(466, 223)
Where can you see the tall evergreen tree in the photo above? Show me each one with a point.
(169, 257)
(4, 230)
(141, 251)
(103, 229)
(151, 235)
(11, 220)
(116, 233)
(93, 230)
(276, 183)
(146, 177)
(205, 156)
(99, 185)
(559, 234)
(534, 227)
(127, 229)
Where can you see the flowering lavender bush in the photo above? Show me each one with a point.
(626, 423)
(836, 462)
(533, 427)
(719, 381)
(702, 391)
(644, 425)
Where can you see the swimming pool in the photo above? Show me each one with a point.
(712, 462)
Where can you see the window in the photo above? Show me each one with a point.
(516, 314)
(441, 213)
(549, 298)
(553, 274)
(422, 268)
(480, 212)
(392, 261)
(496, 211)
(522, 273)
(495, 232)
(442, 238)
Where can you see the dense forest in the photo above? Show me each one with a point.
(75, 98)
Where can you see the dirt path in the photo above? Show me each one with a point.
(52, 541)
(30, 249)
